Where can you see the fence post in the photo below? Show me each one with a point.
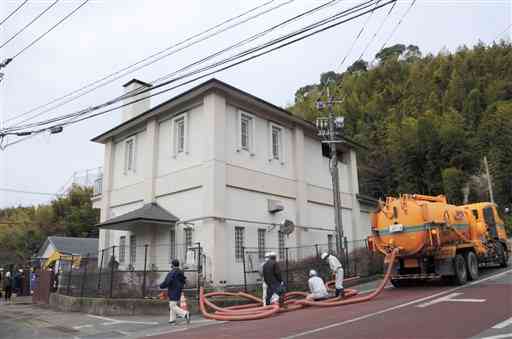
(198, 268)
(345, 246)
(144, 274)
(112, 269)
(286, 264)
(84, 276)
(317, 252)
(101, 268)
(245, 273)
(69, 275)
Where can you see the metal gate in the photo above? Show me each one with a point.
(42, 290)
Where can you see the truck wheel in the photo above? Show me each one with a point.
(472, 263)
(502, 254)
(461, 273)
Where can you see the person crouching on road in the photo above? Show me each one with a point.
(337, 270)
(316, 287)
(264, 286)
(174, 282)
(273, 279)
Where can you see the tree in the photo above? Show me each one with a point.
(358, 66)
(388, 53)
(453, 182)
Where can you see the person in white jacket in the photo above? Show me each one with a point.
(337, 270)
(317, 288)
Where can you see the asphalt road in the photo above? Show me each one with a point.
(480, 309)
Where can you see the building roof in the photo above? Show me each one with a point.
(137, 81)
(70, 245)
(149, 213)
(203, 89)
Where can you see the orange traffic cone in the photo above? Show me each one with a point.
(183, 302)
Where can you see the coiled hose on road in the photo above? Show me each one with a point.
(255, 310)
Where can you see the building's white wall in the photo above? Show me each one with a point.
(167, 162)
(258, 159)
(120, 178)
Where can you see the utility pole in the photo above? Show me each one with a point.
(330, 129)
(489, 182)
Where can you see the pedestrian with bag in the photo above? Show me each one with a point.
(264, 286)
(174, 282)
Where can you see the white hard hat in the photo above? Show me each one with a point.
(272, 254)
(324, 255)
(267, 255)
(312, 273)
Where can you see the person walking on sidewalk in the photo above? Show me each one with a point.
(337, 270)
(174, 282)
(7, 287)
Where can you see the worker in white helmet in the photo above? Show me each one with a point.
(337, 270)
(317, 288)
(263, 284)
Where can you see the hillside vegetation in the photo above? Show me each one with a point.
(428, 121)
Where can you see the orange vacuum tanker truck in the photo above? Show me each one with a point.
(438, 240)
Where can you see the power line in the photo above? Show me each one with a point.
(127, 68)
(503, 32)
(281, 39)
(13, 12)
(363, 27)
(398, 24)
(377, 31)
(29, 23)
(50, 29)
(4, 189)
(272, 42)
(238, 44)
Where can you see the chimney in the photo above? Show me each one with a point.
(133, 86)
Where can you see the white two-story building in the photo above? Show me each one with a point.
(229, 164)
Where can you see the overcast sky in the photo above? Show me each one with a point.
(105, 36)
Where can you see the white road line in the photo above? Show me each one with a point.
(503, 324)
(101, 318)
(449, 298)
(412, 302)
(111, 321)
(81, 326)
(499, 336)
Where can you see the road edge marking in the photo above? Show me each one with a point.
(503, 324)
(396, 307)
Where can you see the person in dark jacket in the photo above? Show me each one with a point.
(174, 282)
(273, 279)
(7, 287)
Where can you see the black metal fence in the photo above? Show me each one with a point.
(130, 272)
(295, 262)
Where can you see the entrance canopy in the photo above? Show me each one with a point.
(151, 213)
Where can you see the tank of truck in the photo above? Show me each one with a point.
(417, 223)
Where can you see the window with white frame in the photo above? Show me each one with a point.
(277, 137)
(280, 245)
(172, 242)
(129, 155)
(133, 249)
(188, 237)
(239, 243)
(261, 242)
(122, 249)
(180, 134)
(245, 131)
